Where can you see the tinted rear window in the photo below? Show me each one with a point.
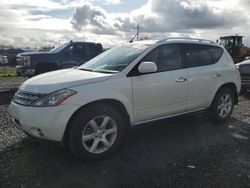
(216, 52)
(197, 55)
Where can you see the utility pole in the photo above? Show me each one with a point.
(4, 53)
(137, 33)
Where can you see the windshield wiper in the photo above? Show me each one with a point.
(108, 72)
(100, 71)
(90, 70)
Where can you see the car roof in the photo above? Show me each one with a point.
(145, 42)
(178, 40)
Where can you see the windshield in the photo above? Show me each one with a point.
(226, 42)
(59, 48)
(115, 59)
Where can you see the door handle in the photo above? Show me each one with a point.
(181, 79)
(216, 75)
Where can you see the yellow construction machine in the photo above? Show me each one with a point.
(235, 47)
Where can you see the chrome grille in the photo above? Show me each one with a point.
(25, 98)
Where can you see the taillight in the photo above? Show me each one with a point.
(237, 67)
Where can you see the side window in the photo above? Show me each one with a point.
(197, 55)
(166, 57)
(78, 49)
(94, 48)
(216, 52)
(69, 50)
(152, 56)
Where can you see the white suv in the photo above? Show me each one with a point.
(90, 108)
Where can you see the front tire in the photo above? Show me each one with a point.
(222, 105)
(96, 132)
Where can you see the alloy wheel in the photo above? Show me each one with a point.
(225, 105)
(99, 134)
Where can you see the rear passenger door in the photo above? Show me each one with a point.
(204, 74)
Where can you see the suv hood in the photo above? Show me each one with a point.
(39, 55)
(56, 80)
(34, 53)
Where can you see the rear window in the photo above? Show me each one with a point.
(216, 52)
(197, 55)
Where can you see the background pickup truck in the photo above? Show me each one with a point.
(65, 56)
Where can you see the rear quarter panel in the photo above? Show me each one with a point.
(229, 74)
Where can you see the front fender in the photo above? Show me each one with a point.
(111, 89)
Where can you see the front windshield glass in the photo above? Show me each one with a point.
(59, 48)
(115, 59)
(226, 42)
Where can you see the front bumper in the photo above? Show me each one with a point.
(245, 84)
(4, 61)
(48, 123)
(24, 71)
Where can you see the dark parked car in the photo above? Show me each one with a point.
(244, 68)
(11, 54)
(65, 56)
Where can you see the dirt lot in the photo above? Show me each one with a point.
(184, 152)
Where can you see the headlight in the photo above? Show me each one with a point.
(3, 60)
(26, 60)
(54, 99)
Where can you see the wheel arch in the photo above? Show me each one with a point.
(231, 86)
(112, 102)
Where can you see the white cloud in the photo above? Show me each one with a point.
(35, 3)
(37, 22)
(113, 2)
(162, 16)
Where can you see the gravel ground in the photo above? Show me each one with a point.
(182, 152)
(10, 83)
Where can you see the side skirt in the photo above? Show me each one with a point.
(170, 116)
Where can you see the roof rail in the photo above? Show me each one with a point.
(183, 38)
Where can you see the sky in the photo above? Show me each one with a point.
(37, 23)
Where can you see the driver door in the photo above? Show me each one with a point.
(164, 92)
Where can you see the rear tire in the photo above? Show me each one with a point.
(96, 132)
(222, 105)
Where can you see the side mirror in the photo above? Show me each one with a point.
(147, 67)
